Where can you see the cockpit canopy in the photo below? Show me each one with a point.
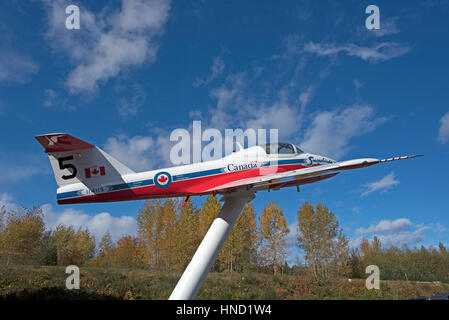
(281, 148)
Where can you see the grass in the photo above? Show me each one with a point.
(33, 282)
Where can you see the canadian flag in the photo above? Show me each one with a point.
(94, 172)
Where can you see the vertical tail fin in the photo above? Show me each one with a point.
(74, 161)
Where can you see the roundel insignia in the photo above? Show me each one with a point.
(162, 179)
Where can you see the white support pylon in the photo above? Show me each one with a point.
(191, 280)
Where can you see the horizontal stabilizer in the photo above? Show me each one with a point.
(59, 142)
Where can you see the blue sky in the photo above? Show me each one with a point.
(136, 70)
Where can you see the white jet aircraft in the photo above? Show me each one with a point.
(84, 173)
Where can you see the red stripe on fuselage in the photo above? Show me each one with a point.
(181, 188)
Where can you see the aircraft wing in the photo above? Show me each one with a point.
(300, 176)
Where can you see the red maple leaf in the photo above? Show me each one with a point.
(95, 171)
(162, 179)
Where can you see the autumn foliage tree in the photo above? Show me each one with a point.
(171, 234)
(325, 245)
(413, 264)
(128, 253)
(273, 229)
(105, 253)
(20, 235)
(168, 231)
(149, 216)
(73, 246)
(24, 240)
(207, 214)
(157, 230)
(239, 249)
(187, 237)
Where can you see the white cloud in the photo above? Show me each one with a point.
(98, 224)
(5, 198)
(438, 227)
(258, 70)
(383, 184)
(386, 226)
(396, 232)
(435, 3)
(403, 237)
(15, 67)
(50, 98)
(130, 106)
(293, 45)
(357, 84)
(108, 42)
(396, 239)
(331, 131)
(280, 116)
(141, 153)
(381, 52)
(17, 168)
(236, 107)
(217, 67)
(292, 237)
(443, 133)
(7, 203)
(134, 152)
(216, 70)
(306, 96)
(163, 143)
(229, 97)
(387, 27)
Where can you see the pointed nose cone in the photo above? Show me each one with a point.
(358, 163)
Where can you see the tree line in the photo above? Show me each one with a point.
(169, 234)
(24, 240)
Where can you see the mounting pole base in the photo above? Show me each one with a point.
(191, 280)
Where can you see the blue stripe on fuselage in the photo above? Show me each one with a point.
(197, 174)
(179, 177)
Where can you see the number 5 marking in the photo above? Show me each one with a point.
(63, 166)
